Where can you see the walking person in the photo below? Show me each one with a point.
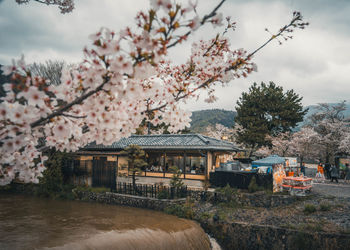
(334, 173)
(320, 172)
(347, 173)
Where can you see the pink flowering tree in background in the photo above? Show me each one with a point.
(344, 145)
(305, 144)
(280, 145)
(221, 132)
(125, 78)
(333, 130)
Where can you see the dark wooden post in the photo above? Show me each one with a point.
(184, 170)
(206, 166)
(164, 153)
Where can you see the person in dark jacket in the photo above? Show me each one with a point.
(327, 170)
(334, 173)
(347, 173)
(302, 168)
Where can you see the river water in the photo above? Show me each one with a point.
(35, 223)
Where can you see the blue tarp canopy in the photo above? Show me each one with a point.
(269, 161)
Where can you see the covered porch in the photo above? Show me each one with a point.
(194, 155)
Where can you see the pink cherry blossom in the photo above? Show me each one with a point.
(33, 96)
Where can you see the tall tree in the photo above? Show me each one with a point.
(136, 160)
(266, 110)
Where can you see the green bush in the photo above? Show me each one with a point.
(309, 208)
(253, 186)
(176, 181)
(182, 211)
(51, 184)
(325, 207)
(163, 194)
(205, 216)
(227, 191)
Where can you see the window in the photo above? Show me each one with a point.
(195, 164)
(155, 163)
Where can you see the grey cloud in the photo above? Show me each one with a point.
(314, 63)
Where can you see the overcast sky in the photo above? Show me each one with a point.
(316, 63)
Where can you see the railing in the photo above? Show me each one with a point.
(153, 191)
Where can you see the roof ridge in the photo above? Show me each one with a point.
(165, 135)
(205, 136)
(202, 138)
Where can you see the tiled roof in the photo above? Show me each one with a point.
(168, 141)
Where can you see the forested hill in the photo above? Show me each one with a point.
(204, 118)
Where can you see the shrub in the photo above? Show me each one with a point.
(309, 208)
(176, 181)
(183, 211)
(227, 191)
(205, 216)
(51, 184)
(325, 207)
(163, 194)
(253, 186)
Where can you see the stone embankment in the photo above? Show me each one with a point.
(258, 199)
(127, 200)
(239, 235)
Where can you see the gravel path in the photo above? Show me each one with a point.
(341, 189)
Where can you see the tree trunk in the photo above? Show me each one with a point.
(251, 151)
(134, 180)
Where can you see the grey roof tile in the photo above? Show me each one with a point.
(168, 141)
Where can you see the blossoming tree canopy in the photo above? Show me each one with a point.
(124, 78)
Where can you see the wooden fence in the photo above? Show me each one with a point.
(153, 191)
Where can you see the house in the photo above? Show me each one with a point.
(194, 154)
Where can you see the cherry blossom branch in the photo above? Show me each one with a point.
(65, 6)
(65, 108)
(80, 99)
(295, 22)
(74, 116)
(204, 19)
(287, 28)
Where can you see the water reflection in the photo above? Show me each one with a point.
(33, 223)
